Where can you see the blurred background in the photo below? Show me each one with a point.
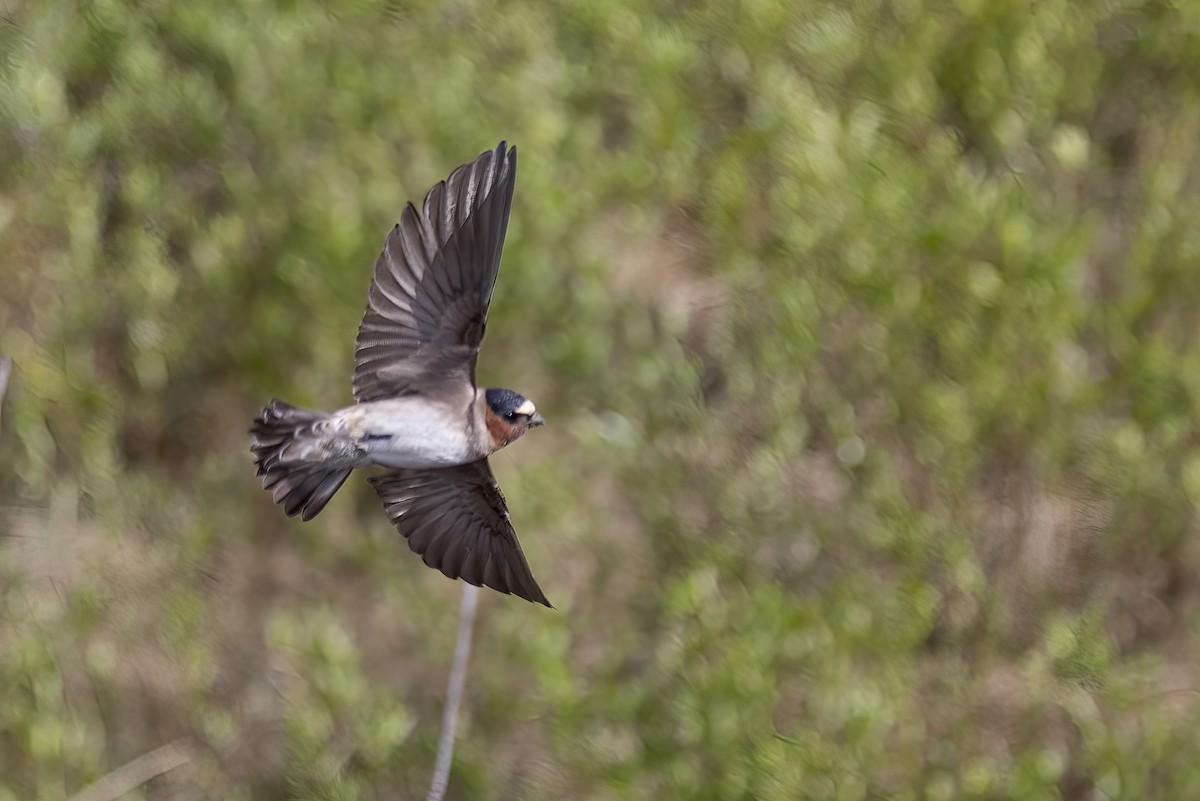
(866, 333)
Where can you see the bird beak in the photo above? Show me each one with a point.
(536, 421)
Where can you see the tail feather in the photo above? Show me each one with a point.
(288, 459)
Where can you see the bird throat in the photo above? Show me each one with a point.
(500, 432)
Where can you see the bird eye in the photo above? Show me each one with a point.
(510, 416)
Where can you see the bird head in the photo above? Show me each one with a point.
(509, 415)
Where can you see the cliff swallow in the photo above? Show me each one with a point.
(418, 413)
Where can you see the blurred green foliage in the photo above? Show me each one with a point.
(867, 334)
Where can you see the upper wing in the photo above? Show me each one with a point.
(429, 295)
(456, 519)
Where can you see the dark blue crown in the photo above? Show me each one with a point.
(504, 401)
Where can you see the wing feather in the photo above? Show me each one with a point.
(456, 519)
(433, 281)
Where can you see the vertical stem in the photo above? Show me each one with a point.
(458, 676)
(5, 366)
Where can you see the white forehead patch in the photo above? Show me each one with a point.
(526, 408)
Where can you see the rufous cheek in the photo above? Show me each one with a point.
(501, 431)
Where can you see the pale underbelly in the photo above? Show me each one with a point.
(426, 453)
(404, 433)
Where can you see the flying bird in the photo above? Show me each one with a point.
(418, 412)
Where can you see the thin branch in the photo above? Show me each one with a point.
(136, 773)
(458, 677)
(5, 369)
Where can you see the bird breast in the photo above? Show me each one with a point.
(412, 432)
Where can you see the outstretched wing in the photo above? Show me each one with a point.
(429, 296)
(457, 520)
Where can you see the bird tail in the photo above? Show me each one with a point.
(287, 450)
